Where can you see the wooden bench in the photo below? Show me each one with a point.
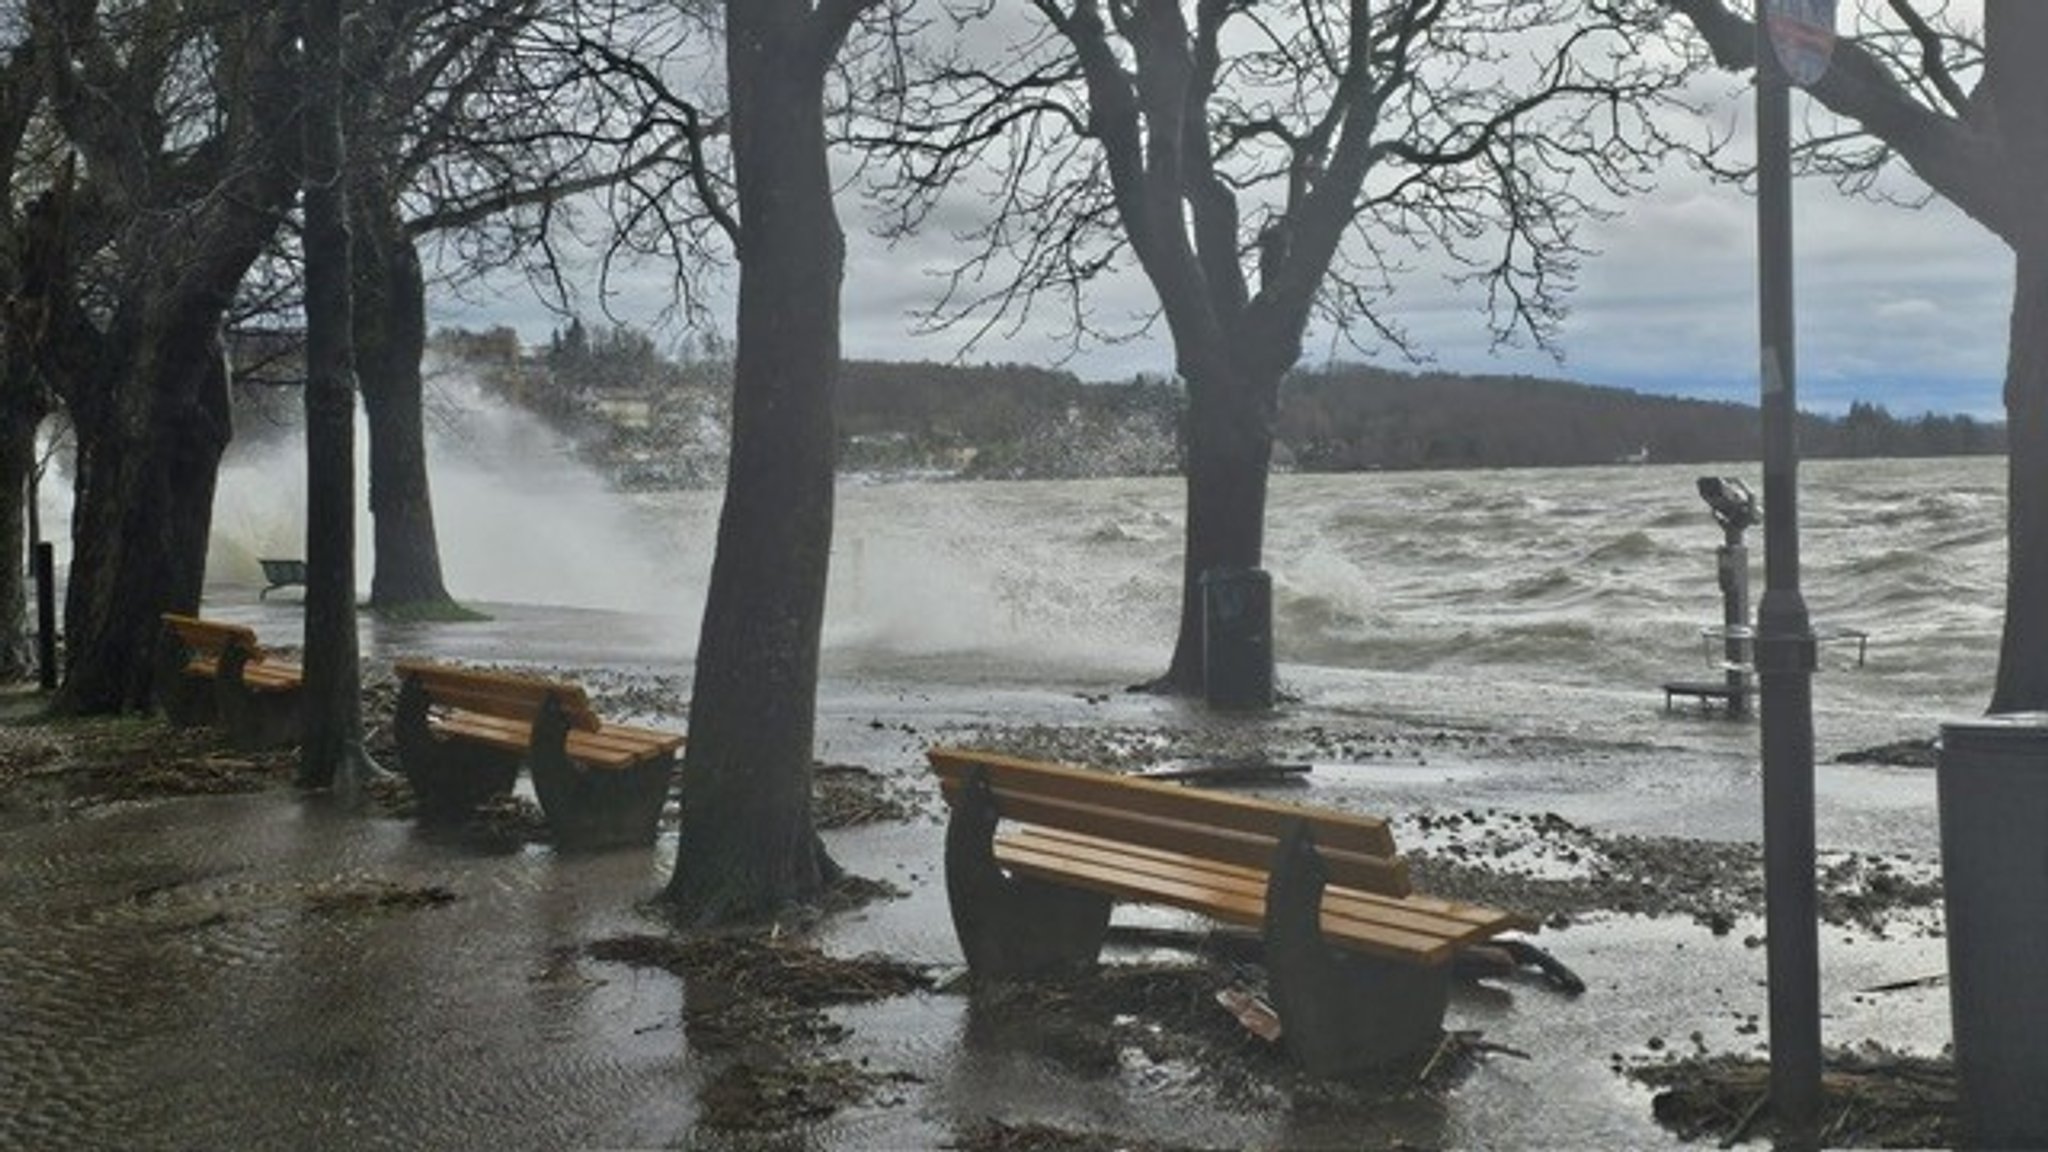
(1358, 964)
(209, 672)
(463, 734)
(281, 574)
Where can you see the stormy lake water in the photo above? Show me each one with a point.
(158, 991)
(1578, 591)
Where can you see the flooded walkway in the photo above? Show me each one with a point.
(263, 972)
(253, 972)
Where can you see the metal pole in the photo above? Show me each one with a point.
(1738, 643)
(1784, 644)
(46, 614)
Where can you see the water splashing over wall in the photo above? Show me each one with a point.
(520, 519)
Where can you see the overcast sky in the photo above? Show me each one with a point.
(1904, 307)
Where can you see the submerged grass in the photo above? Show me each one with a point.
(53, 764)
(426, 612)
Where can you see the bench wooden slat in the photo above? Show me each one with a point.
(1434, 904)
(498, 708)
(1200, 892)
(205, 641)
(517, 705)
(607, 748)
(625, 738)
(1250, 848)
(1348, 832)
(611, 748)
(271, 676)
(1363, 920)
(499, 693)
(210, 637)
(496, 731)
(1452, 918)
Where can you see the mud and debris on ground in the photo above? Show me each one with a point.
(768, 1012)
(53, 767)
(1870, 1098)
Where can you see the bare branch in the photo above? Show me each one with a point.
(1933, 57)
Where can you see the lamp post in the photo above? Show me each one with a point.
(1794, 39)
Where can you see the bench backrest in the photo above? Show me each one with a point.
(499, 693)
(207, 639)
(1357, 851)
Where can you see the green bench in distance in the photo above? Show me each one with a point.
(281, 574)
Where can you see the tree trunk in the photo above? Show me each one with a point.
(390, 325)
(17, 467)
(172, 234)
(1229, 456)
(331, 703)
(2023, 657)
(147, 465)
(748, 841)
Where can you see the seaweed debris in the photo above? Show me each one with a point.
(1871, 1097)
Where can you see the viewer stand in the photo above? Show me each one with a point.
(1735, 510)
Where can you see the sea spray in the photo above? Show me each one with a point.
(520, 518)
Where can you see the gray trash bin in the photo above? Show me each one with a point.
(1993, 784)
(1237, 638)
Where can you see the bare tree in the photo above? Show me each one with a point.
(480, 122)
(748, 840)
(331, 740)
(1270, 165)
(24, 401)
(1967, 112)
(182, 128)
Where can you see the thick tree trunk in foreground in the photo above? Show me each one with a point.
(2023, 656)
(1229, 456)
(748, 840)
(147, 464)
(2016, 87)
(178, 223)
(390, 325)
(331, 707)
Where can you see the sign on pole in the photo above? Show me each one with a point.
(1803, 35)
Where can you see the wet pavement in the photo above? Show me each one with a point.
(266, 972)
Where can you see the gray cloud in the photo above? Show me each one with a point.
(1897, 306)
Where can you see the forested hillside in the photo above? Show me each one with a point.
(1355, 417)
(650, 421)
